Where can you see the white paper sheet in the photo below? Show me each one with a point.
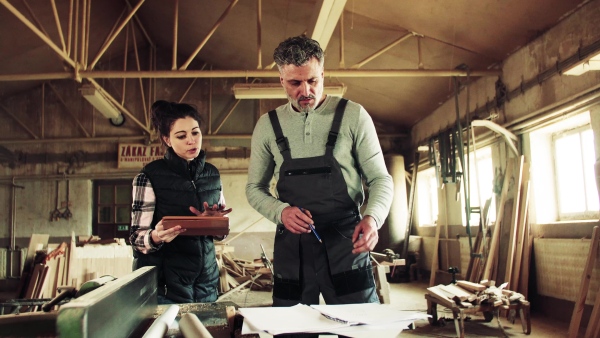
(376, 320)
(369, 313)
(297, 318)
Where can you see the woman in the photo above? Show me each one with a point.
(180, 184)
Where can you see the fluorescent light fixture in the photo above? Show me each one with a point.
(591, 64)
(276, 91)
(101, 103)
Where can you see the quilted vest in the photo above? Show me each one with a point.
(187, 269)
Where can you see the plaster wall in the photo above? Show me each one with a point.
(580, 29)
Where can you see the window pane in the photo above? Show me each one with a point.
(427, 197)
(123, 214)
(587, 144)
(106, 194)
(482, 181)
(123, 194)
(105, 214)
(571, 192)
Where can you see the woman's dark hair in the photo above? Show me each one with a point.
(164, 115)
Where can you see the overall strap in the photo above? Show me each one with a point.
(335, 126)
(282, 142)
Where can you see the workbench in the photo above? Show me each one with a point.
(488, 310)
(125, 307)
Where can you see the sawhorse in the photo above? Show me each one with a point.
(488, 310)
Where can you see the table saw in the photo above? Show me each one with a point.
(124, 307)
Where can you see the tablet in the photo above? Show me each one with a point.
(198, 225)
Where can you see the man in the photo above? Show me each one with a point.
(319, 149)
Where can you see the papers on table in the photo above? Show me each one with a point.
(353, 320)
(279, 320)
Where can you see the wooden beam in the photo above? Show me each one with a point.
(112, 38)
(492, 255)
(514, 223)
(209, 35)
(23, 125)
(60, 99)
(585, 284)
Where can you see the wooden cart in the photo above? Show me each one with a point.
(522, 307)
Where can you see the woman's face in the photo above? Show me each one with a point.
(185, 138)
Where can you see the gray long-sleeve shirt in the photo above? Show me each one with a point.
(357, 150)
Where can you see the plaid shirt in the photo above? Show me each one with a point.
(142, 212)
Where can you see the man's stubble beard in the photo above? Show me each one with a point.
(303, 109)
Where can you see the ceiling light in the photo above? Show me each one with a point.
(101, 103)
(590, 64)
(276, 91)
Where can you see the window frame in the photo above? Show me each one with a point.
(113, 228)
(587, 214)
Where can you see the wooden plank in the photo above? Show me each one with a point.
(482, 236)
(440, 297)
(474, 261)
(523, 212)
(435, 257)
(36, 242)
(525, 264)
(232, 281)
(71, 261)
(459, 292)
(33, 281)
(41, 285)
(593, 329)
(473, 287)
(489, 264)
(585, 283)
(514, 222)
(383, 287)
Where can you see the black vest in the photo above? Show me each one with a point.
(181, 263)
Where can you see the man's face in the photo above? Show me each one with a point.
(303, 85)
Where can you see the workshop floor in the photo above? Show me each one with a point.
(410, 296)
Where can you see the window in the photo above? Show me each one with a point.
(481, 181)
(113, 209)
(427, 199)
(574, 165)
(481, 173)
(562, 171)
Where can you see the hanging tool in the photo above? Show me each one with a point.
(56, 214)
(67, 213)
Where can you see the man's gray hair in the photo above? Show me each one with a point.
(297, 51)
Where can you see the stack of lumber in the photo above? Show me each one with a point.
(238, 273)
(503, 254)
(50, 266)
(467, 294)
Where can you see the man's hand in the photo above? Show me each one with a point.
(296, 220)
(214, 211)
(160, 235)
(367, 227)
